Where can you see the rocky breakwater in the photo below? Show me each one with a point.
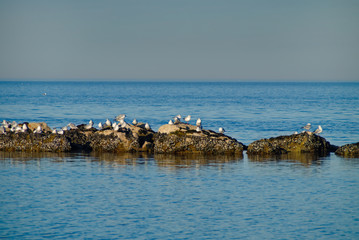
(27, 141)
(133, 138)
(306, 142)
(183, 138)
(348, 150)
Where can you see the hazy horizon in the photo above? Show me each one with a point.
(198, 40)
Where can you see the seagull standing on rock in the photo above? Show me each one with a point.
(108, 123)
(147, 126)
(318, 130)
(89, 125)
(221, 130)
(134, 122)
(72, 126)
(188, 118)
(307, 127)
(199, 122)
(177, 120)
(170, 122)
(100, 125)
(120, 117)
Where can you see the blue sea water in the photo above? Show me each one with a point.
(107, 196)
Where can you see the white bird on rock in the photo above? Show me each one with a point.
(199, 122)
(116, 128)
(24, 127)
(134, 122)
(108, 123)
(319, 130)
(221, 130)
(188, 118)
(307, 127)
(72, 126)
(177, 120)
(198, 129)
(170, 122)
(100, 125)
(89, 125)
(120, 117)
(54, 131)
(147, 126)
(38, 129)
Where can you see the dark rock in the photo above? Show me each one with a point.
(30, 142)
(303, 142)
(348, 150)
(183, 138)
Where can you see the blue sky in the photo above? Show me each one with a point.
(277, 40)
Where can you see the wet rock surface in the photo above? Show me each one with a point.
(30, 142)
(183, 138)
(348, 150)
(300, 143)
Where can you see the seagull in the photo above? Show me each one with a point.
(221, 130)
(100, 125)
(38, 129)
(199, 122)
(2, 130)
(179, 116)
(188, 118)
(170, 122)
(5, 124)
(319, 130)
(44, 94)
(120, 117)
(72, 126)
(61, 132)
(24, 127)
(89, 125)
(116, 128)
(134, 122)
(54, 131)
(64, 128)
(198, 129)
(147, 126)
(307, 127)
(114, 124)
(177, 120)
(123, 124)
(108, 123)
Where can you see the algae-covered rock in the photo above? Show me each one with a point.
(348, 150)
(303, 142)
(30, 142)
(183, 138)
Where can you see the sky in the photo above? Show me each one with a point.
(224, 40)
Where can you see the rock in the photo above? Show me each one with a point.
(30, 142)
(183, 138)
(348, 150)
(33, 125)
(303, 142)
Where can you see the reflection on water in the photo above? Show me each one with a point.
(192, 160)
(122, 159)
(304, 158)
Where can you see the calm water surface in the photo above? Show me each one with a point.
(107, 196)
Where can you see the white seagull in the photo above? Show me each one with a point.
(108, 123)
(307, 127)
(89, 125)
(134, 122)
(188, 118)
(38, 129)
(72, 126)
(100, 125)
(147, 126)
(221, 130)
(120, 117)
(170, 122)
(199, 122)
(198, 129)
(319, 130)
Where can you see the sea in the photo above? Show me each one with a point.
(145, 196)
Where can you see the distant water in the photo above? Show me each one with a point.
(248, 111)
(109, 196)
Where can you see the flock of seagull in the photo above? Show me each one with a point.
(309, 126)
(119, 122)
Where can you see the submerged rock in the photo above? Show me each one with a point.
(183, 138)
(303, 142)
(348, 150)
